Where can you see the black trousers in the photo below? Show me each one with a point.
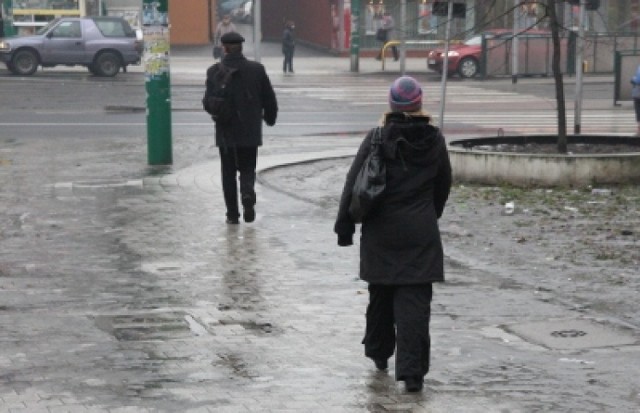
(398, 316)
(241, 160)
(287, 63)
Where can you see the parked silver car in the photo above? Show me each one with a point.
(103, 44)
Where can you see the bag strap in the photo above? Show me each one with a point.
(376, 139)
(228, 72)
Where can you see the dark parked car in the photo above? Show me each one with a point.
(228, 6)
(244, 13)
(103, 44)
(464, 59)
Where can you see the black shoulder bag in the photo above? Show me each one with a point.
(370, 181)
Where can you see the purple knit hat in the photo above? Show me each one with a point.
(405, 95)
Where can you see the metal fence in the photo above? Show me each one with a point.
(535, 54)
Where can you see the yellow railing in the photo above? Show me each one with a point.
(46, 12)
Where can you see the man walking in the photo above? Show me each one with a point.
(252, 99)
(288, 47)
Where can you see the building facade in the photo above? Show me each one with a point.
(327, 24)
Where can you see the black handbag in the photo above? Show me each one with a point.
(370, 181)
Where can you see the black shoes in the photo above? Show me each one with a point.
(381, 364)
(249, 214)
(413, 384)
(233, 221)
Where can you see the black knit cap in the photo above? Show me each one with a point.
(231, 37)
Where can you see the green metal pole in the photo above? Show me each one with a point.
(157, 84)
(355, 35)
(7, 16)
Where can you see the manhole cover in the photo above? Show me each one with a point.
(572, 334)
(568, 333)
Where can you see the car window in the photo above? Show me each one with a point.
(114, 28)
(474, 41)
(68, 30)
(110, 28)
(48, 27)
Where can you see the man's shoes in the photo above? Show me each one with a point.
(249, 214)
(381, 364)
(233, 221)
(413, 384)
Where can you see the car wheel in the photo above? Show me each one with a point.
(107, 64)
(11, 69)
(24, 62)
(468, 67)
(92, 69)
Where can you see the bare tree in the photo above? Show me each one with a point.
(557, 75)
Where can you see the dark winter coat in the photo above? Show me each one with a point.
(288, 41)
(400, 241)
(254, 100)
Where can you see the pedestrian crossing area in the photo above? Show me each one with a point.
(480, 108)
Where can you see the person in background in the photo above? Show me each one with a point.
(224, 27)
(635, 94)
(254, 100)
(388, 25)
(288, 47)
(401, 251)
(335, 27)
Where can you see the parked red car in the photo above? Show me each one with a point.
(464, 59)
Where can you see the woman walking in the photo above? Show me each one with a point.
(401, 251)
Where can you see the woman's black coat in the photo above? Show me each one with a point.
(400, 240)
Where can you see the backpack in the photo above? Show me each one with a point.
(218, 98)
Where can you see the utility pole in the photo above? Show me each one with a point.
(157, 84)
(403, 36)
(515, 50)
(257, 29)
(577, 112)
(355, 35)
(445, 66)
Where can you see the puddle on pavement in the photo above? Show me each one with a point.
(142, 327)
(236, 364)
(250, 326)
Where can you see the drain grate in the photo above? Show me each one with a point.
(572, 334)
(568, 333)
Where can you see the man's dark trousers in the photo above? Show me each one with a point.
(242, 160)
(399, 315)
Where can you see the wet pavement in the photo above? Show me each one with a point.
(122, 290)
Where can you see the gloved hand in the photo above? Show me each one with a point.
(345, 240)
